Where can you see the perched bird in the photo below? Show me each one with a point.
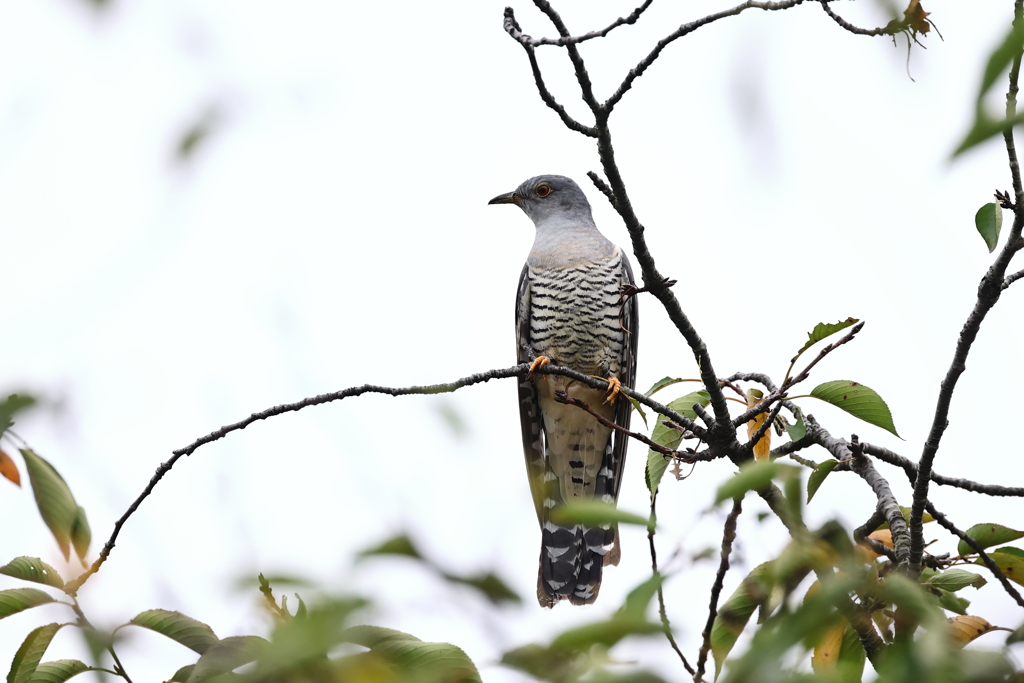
(570, 312)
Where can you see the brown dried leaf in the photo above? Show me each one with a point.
(764, 446)
(916, 17)
(883, 536)
(8, 469)
(966, 628)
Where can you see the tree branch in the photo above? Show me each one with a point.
(890, 29)
(666, 627)
(562, 41)
(988, 294)
(728, 536)
(910, 468)
(989, 562)
(846, 451)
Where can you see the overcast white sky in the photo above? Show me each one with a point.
(333, 230)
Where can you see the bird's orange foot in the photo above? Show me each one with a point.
(540, 362)
(614, 387)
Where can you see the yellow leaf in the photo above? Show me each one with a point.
(883, 536)
(8, 469)
(966, 628)
(764, 445)
(826, 653)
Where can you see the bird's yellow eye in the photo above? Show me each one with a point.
(543, 190)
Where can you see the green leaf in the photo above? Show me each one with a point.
(985, 126)
(989, 220)
(227, 655)
(754, 476)
(16, 600)
(606, 633)
(822, 331)
(33, 569)
(31, 652)
(59, 670)
(988, 535)
(858, 400)
(954, 579)
(818, 476)
(850, 667)
(640, 598)
(734, 614)
(546, 664)
(684, 404)
(493, 588)
(655, 469)
(594, 513)
(182, 674)
(398, 545)
(953, 603)
(195, 635)
(1017, 636)
(926, 517)
(11, 405)
(53, 498)
(1011, 564)
(428, 661)
(662, 383)
(81, 534)
(638, 408)
(799, 430)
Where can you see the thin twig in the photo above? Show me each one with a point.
(514, 371)
(728, 536)
(890, 29)
(910, 468)
(1010, 279)
(802, 375)
(562, 41)
(989, 562)
(666, 626)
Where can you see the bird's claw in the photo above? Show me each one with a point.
(539, 362)
(614, 387)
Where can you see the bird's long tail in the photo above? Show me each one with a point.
(571, 559)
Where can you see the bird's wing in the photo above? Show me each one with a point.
(630, 319)
(530, 416)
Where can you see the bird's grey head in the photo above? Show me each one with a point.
(547, 197)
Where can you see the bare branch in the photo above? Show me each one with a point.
(666, 627)
(512, 28)
(683, 30)
(802, 375)
(890, 29)
(910, 468)
(582, 77)
(573, 40)
(989, 289)
(852, 452)
(989, 562)
(1010, 279)
(728, 536)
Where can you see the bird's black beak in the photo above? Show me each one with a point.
(507, 198)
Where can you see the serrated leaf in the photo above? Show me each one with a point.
(195, 635)
(9, 469)
(825, 657)
(432, 661)
(858, 400)
(606, 633)
(397, 545)
(684, 404)
(594, 513)
(734, 614)
(53, 498)
(989, 220)
(966, 628)
(754, 476)
(1017, 636)
(954, 603)
(988, 535)
(12, 405)
(492, 587)
(14, 600)
(31, 652)
(638, 600)
(851, 658)
(33, 569)
(227, 655)
(954, 579)
(824, 330)
(59, 670)
(1010, 550)
(817, 477)
(543, 663)
(661, 384)
(1010, 564)
(799, 430)
(655, 469)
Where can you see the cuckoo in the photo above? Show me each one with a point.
(569, 311)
